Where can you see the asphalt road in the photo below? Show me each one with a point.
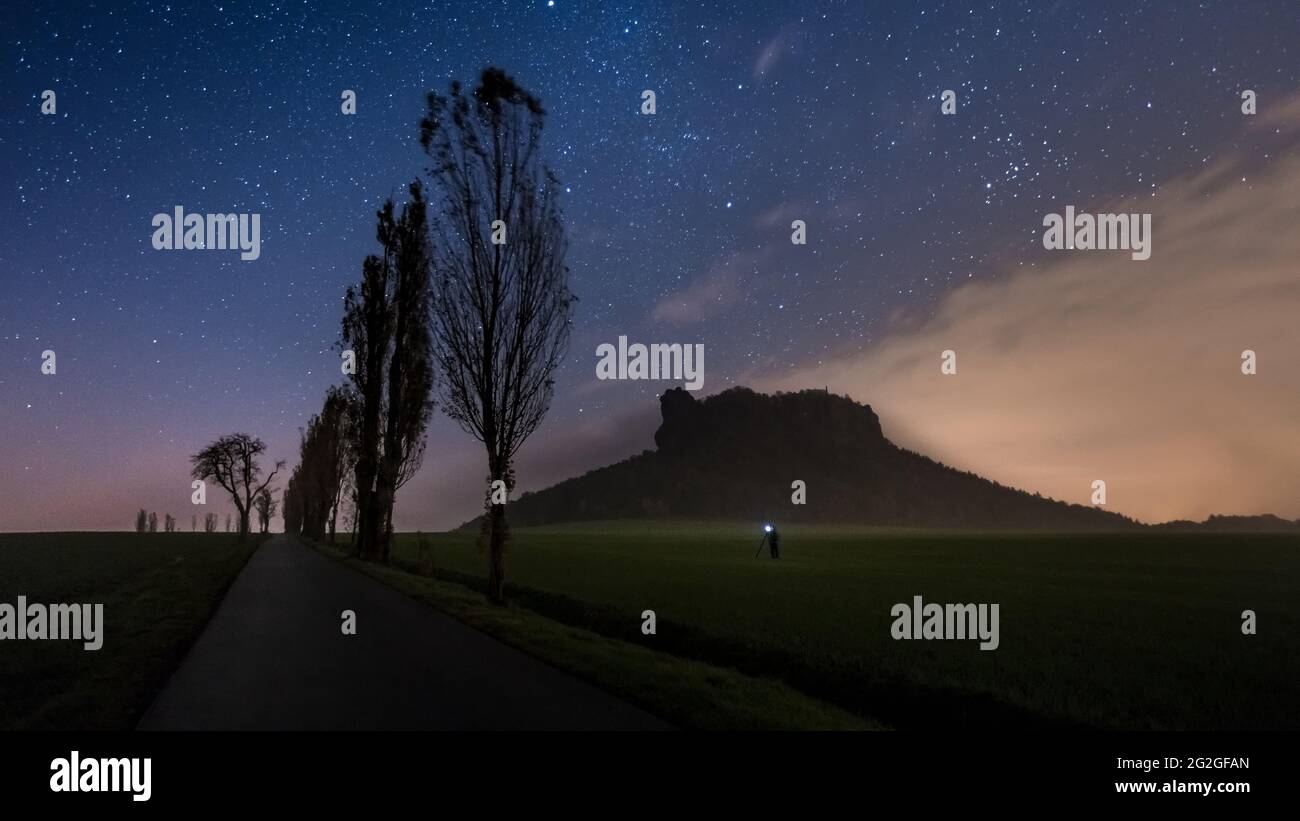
(274, 658)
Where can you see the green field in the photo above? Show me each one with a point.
(158, 591)
(1113, 631)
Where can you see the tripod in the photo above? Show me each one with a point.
(761, 542)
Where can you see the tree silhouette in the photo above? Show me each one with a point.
(316, 488)
(410, 367)
(501, 310)
(291, 505)
(323, 457)
(339, 411)
(153, 522)
(141, 521)
(366, 321)
(265, 505)
(385, 323)
(232, 462)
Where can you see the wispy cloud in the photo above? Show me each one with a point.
(711, 293)
(773, 50)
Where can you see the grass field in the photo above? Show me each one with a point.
(158, 591)
(1112, 631)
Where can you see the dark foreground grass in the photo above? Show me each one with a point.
(685, 692)
(158, 592)
(1139, 631)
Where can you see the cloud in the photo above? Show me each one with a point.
(786, 42)
(782, 214)
(713, 292)
(769, 54)
(1095, 366)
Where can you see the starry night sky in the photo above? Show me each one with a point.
(679, 222)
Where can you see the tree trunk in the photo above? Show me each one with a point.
(377, 528)
(383, 505)
(366, 471)
(497, 533)
(358, 525)
(243, 521)
(388, 527)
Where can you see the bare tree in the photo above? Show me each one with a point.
(385, 324)
(291, 504)
(210, 523)
(355, 518)
(265, 505)
(232, 462)
(326, 462)
(347, 487)
(169, 523)
(141, 521)
(410, 367)
(502, 305)
(194, 522)
(340, 411)
(153, 522)
(367, 319)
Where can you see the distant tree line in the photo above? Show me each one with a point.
(146, 522)
(263, 504)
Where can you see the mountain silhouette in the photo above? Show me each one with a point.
(1263, 523)
(735, 455)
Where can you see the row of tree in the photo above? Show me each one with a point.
(321, 483)
(265, 505)
(471, 305)
(148, 522)
(369, 438)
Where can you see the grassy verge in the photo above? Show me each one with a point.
(687, 693)
(158, 590)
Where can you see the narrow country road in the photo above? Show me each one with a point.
(274, 658)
